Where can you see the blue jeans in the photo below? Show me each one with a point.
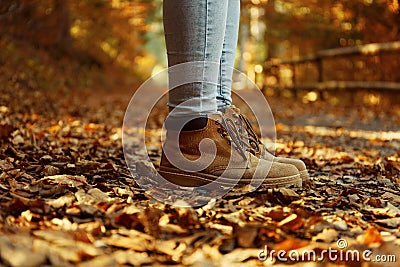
(205, 32)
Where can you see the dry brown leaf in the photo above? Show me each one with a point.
(5, 130)
(171, 248)
(49, 170)
(92, 196)
(63, 253)
(6, 165)
(391, 222)
(133, 258)
(375, 202)
(327, 236)
(371, 236)
(246, 235)
(65, 200)
(201, 258)
(292, 222)
(288, 192)
(137, 244)
(239, 255)
(18, 251)
(173, 228)
(132, 233)
(291, 244)
(276, 213)
(389, 210)
(65, 244)
(100, 261)
(70, 180)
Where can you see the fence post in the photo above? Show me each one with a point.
(320, 67)
(293, 67)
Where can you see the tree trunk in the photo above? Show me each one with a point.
(43, 24)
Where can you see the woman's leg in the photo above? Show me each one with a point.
(198, 30)
(194, 31)
(227, 61)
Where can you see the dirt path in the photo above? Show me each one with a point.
(67, 198)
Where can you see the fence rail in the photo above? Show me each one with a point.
(318, 60)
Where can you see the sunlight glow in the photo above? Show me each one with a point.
(258, 68)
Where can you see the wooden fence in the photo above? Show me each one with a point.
(373, 66)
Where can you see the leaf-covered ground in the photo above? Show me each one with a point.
(67, 197)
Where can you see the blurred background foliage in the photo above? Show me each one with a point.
(110, 43)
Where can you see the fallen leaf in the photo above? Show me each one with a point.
(70, 180)
(132, 258)
(92, 196)
(18, 251)
(136, 244)
(291, 244)
(246, 235)
(65, 200)
(391, 222)
(371, 236)
(327, 236)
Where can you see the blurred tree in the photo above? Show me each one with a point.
(100, 32)
(128, 34)
(294, 27)
(43, 23)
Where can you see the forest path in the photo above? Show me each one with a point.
(67, 197)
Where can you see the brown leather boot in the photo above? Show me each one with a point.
(230, 160)
(258, 148)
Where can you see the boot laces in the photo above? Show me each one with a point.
(254, 141)
(234, 131)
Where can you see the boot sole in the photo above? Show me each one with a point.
(190, 179)
(304, 175)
